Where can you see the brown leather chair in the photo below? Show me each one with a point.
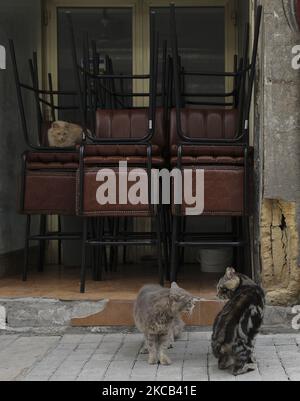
(133, 135)
(48, 178)
(223, 165)
(130, 123)
(214, 137)
(226, 177)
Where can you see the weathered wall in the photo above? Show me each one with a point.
(280, 141)
(21, 21)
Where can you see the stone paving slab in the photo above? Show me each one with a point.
(116, 357)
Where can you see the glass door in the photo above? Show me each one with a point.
(201, 32)
(207, 35)
(111, 30)
(121, 28)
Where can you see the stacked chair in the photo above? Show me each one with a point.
(48, 183)
(214, 137)
(135, 135)
(170, 132)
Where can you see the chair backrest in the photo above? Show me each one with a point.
(129, 123)
(205, 124)
(108, 129)
(44, 101)
(215, 125)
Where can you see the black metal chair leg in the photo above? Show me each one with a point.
(42, 243)
(83, 260)
(94, 250)
(115, 260)
(174, 256)
(182, 251)
(159, 238)
(101, 250)
(165, 244)
(234, 230)
(26, 248)
(59, 242)
(111, 225)
(247, 247)
(125, 248)
(240, 250)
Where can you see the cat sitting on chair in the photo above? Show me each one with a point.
(238, 323)
(64, 135)
(157, 314)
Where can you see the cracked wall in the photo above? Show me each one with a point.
(279, 252)
(278, 158)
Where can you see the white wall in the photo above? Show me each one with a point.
(21, 21)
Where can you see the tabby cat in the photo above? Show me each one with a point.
(64, 135)
(238, 323)
(157, 314)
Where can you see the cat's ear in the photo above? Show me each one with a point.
(230, 273)
(55, 124)
(233, 280)
(174, 291)
(174, 286)
(58, 124)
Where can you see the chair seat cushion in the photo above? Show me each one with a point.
(52, 166)
(213, 151)
(115, 160)
(208, 160)
(52, 160)
(121, 150)
(211, 155)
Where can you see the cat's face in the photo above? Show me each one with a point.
(228, 284)
(61, 131)
(181, 300)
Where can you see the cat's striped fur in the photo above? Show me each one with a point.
(238, 323)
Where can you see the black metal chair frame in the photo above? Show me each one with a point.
(40, 101)
(243, 99)
(84, 74)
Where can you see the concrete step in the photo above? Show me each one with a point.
(57, 316)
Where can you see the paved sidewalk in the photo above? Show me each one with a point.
(108, 357)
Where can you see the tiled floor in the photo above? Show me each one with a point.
(64, 284)
(111, 357)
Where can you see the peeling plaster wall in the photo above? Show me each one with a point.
(280, 247)
(280, 164)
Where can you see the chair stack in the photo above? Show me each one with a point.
(209, 136)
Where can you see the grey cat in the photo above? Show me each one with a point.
(238, 323)
(157, 314)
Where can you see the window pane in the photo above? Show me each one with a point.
(111, 28)
(201, 40)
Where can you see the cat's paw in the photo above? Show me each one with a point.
(153, 360)
(144, 351)
(249, 367)
(225, 363)
(165, 360)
